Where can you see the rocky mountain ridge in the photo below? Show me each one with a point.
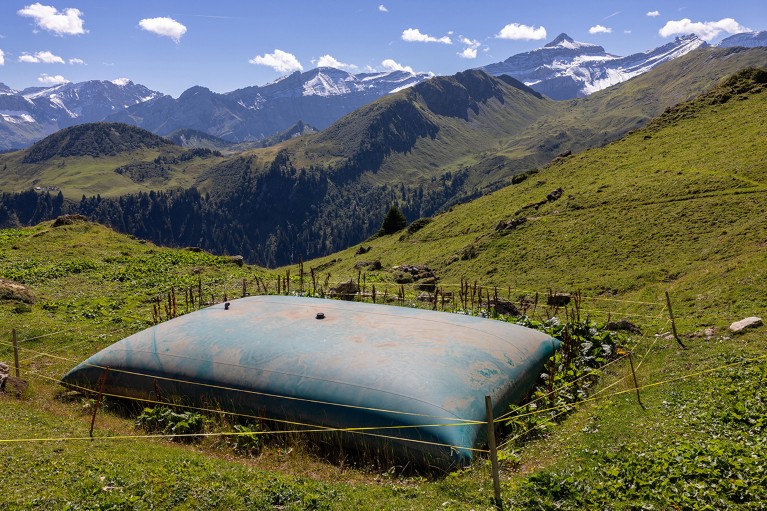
(567, 69)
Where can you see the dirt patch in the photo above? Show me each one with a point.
(10, 290)
(10, 385)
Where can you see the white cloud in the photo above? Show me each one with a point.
(76, 61)
(413, 35)
(46, 79)
(627, 31)
(470, 52)
(166, 27)
(281, 61)
(330, 61)
(2, 58)
(653, 14)
(391, 65)
(599, 29)
(121, 82)
(706, 30)
(41, 57)
(521, 32)
(383, 8)
(67, 22)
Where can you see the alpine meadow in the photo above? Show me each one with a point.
(595, 222)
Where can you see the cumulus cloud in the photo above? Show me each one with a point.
(706, 30)
(2, 58)
(653, 14)
(391, 65)
(281, 61)
(330, 61)
(166, 27)
(470, 51)
(517, 31)
(41, 57)
(76, 61)
(383, 8)
(46, 79)
(413, 35)
(121, 82)
(67, 22)
(599, 29)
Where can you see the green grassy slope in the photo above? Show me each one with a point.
(105, 159)
(678, 206)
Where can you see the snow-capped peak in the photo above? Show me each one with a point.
(565, 41)
(121, 82)
(745, 39)
(566, 69)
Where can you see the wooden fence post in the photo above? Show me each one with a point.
(16, 354)
(98, 399)
(493, 452)
(636, 384)
(673, 323)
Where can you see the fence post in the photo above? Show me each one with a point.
(673, 323)
(493, 452)
(16, 354)
(98, 399)
(636, 384)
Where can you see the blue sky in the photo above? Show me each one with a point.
(171, 45)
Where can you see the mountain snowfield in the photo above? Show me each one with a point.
(566, 69)
(562, 69)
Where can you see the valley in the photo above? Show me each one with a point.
(434, 145)
(669, 207)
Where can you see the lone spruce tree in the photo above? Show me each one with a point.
(394, 221)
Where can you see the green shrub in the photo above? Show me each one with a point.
(166, 421)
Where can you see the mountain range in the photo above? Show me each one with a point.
(31, 114)
(317, 97)
(566, 69)
(428, 147)
(562, 69)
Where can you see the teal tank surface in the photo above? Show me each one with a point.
(415, 380)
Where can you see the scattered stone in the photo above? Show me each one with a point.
(558, 299)
(345, 290)
(506, 308)
(425, 297)
(194, 249)
(69, 220)
(4, 370)
(421, 274)
(428, 284)
(623, 325)
(363, 250)
(555, 195)
(237, 259)
(507, 225)
(743, 324)
(370, 265)
(10, 290)
(469, 252)
(564, 154)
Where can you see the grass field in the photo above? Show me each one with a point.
(678, 207)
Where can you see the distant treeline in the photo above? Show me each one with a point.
(271, 218)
